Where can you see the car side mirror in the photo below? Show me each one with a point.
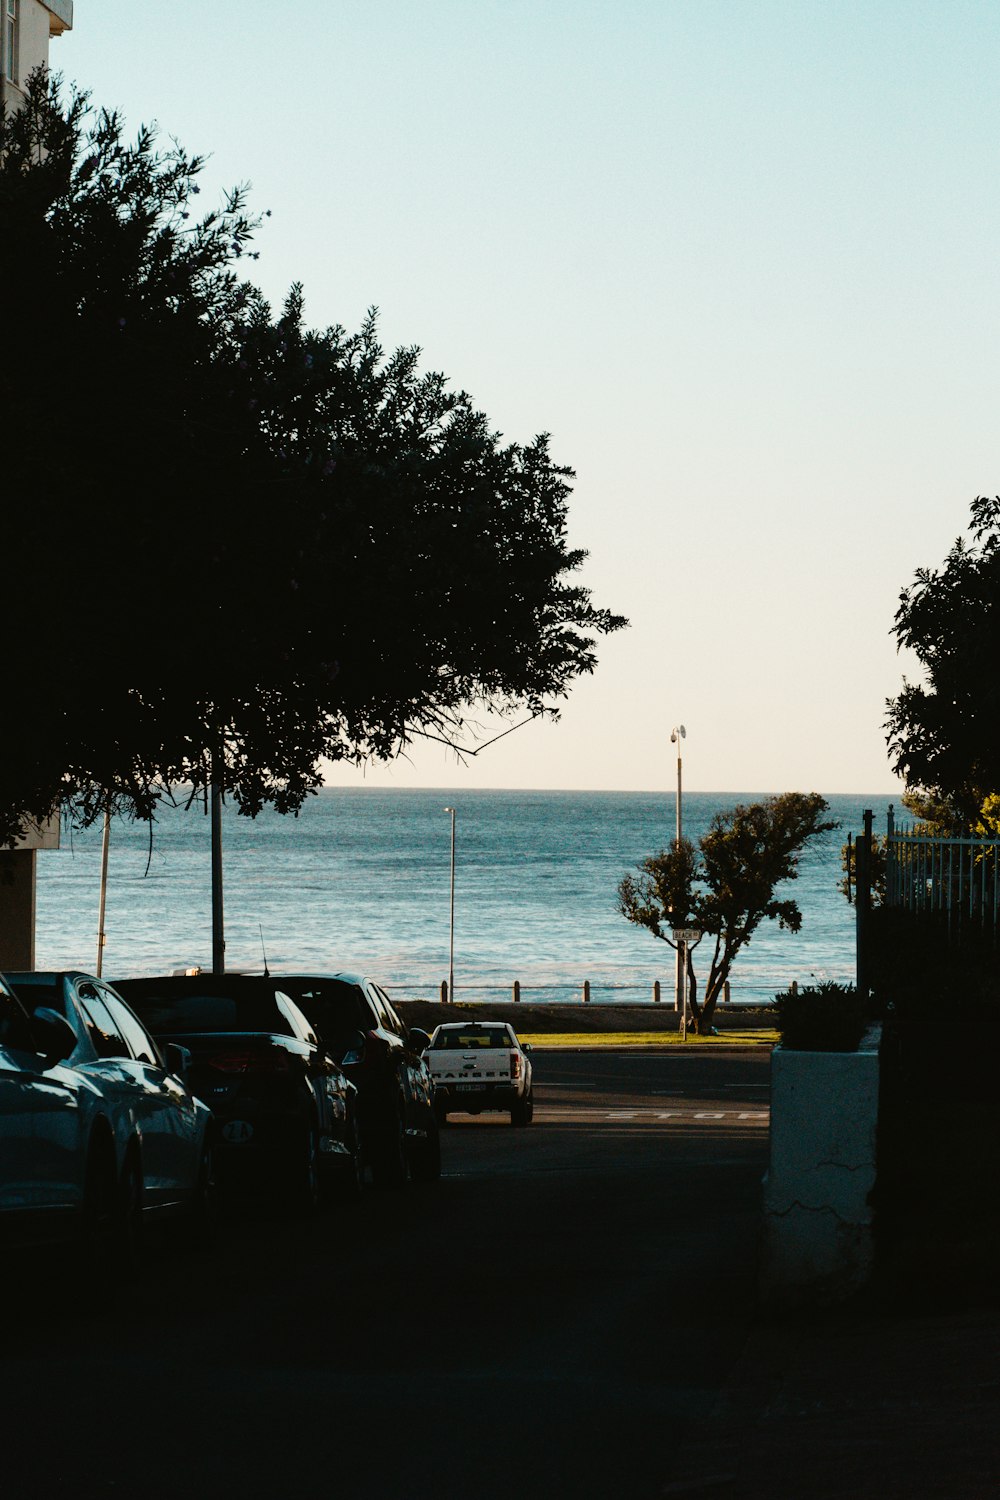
(419, 1040)
(351, 1049)
(55, 1036)
(525, 1046)
(177, 1060)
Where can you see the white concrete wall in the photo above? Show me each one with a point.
(37, 23)
(817, 1243)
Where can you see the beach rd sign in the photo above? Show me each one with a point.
(686, 934)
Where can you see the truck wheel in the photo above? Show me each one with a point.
(522, 1111)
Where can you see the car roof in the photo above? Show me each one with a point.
(205, 980)
(472, 1025)
(345, 976)
(49, 976)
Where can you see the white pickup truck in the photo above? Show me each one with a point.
(480, 1065)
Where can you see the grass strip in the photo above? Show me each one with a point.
(757, 1037)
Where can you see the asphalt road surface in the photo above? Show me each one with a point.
(555, 1318)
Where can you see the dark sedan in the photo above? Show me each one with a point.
(384, 1057)
(287, 1113)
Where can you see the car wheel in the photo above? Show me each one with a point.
(306, 1188)
(390, 1160)
(425, 1156)
(351, 1169)
(130, 1199)
(203, 1207)
(100, 1204)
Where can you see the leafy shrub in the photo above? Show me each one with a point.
(826, 1018)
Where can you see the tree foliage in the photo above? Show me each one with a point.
(236, 544)
(944, 733)
(727, 885)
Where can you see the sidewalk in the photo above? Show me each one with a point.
(895, 1405)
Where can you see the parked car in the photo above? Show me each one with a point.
(481, 1065)
(100, 1130)
(384, 1058)
(287, 1114)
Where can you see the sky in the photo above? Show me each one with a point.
(736, 256)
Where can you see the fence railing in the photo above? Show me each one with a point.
(582, 992)
(956, 879)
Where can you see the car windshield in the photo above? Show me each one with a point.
(333, 1006)
(36, 990)
(468, 1040)
(194, 1011)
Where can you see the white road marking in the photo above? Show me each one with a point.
(564, 1111)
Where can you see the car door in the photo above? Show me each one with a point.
(40, 1122)
(170, 1146)
(413, 1070)
(120, 1078)
(325, 1079)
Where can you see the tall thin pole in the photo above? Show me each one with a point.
(105, 846)
(680, 973)
(218, 921)
(451, 930)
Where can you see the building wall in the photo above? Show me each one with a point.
(37, 23)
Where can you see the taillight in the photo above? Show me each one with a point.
(275, 1060)
(515, 1065)
(228, 1062)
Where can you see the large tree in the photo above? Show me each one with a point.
(236, 544)
(726, 886)
(944, 732)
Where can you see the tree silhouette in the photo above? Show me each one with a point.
(944, 734)
(236, 544)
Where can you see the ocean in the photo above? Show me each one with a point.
(360, 880)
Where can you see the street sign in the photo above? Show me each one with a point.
(686, 934)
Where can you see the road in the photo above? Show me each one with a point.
(554, 1318)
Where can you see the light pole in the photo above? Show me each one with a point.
(451, 926)
(677, 734)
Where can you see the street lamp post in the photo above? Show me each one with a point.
(451, 925)
(677, 734)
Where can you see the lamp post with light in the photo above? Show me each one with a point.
(677, 734)
(451, 929)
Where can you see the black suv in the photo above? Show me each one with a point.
(286, 1111)
(384, 1059)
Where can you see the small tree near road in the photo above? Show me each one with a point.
(727, 885)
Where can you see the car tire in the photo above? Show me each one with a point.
(350, 1170)
(390, 1158)
(425, 1156)
(306, 1186)
(203, 1207)
(131, 1209)
(100, 1205)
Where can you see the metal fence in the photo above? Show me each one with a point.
(954, 879)
(581, 992)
